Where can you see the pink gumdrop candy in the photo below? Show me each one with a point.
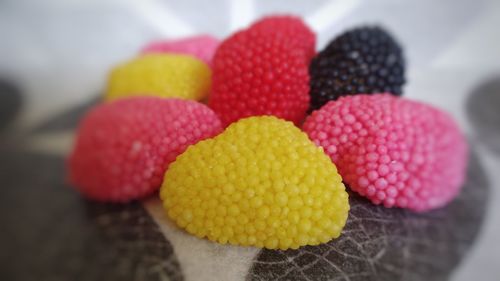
(202, 47)
(394, 151)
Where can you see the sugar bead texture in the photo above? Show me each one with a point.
(202, 47)
(258, 74)
(261, 183)
(391, 150)
(362, 60)
(123, 148)
(161, 75)
(292, 29)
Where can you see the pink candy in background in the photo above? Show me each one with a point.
(394, 151)
(202, 47)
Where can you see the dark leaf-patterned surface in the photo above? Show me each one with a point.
(50, 233)
(388, 244)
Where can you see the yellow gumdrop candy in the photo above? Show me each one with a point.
(161, 75)
(260, 183)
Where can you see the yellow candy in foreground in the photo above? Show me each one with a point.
(260, 183)
(161, 75)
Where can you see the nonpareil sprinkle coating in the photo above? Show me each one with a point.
(123, 147)
(160, 75)
(394, 151)
(255, 74)
(290, 28)
(362, 60)
(260, 183)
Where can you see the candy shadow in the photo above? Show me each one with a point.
(381, 244)
(11, 101)
(68, 119)
(483, 112)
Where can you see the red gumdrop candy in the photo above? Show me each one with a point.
(258, 74)
(392, 150)
(124, 147)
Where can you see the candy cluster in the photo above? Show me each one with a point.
(262, 181)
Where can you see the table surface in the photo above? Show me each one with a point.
(56, 54)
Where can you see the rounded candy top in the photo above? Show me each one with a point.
(290, 28)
